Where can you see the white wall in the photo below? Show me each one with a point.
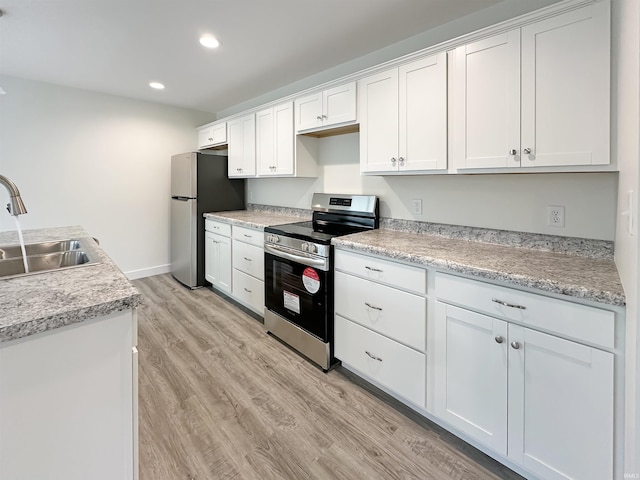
(626, 146)
(510, 202)
(99, 161)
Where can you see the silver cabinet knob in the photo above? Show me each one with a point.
(527, 151)
(319, 117)
(515, 345)
(401, 159)
(393, 160)
(499, 339)
(513, 151)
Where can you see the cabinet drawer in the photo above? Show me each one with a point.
(392, 365)
(567, 319)
(215, 226)
(248, 259)
(249, 290)
(396, 314)
(249, 235)
(413, 279)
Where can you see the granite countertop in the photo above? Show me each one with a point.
(583, 277)
(44, 301)
(253, 218)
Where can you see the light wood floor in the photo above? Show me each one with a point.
(220, 399)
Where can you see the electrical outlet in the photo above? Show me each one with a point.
(416, 205)
(555, 215)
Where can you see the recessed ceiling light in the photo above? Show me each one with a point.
(156, 85)
(209, 41)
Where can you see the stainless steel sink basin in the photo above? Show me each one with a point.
(14, 251)
(46, 256)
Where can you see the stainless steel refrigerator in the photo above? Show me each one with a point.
(199, 184)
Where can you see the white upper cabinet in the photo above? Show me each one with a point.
(329, 108)
(212, 135)
(536, 96)
(403, 118)
(242, 146)
(275, 140)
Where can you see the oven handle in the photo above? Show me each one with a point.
(321, 263)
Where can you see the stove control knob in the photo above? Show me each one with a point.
(273, 238)
(312, 248)
(305, 247)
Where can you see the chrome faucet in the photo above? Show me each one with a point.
(15, 207)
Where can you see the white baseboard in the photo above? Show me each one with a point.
(148, 272)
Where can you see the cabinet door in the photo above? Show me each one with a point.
(205, 137)
(309, 112)
(423, 114)
(486, 126)
(219, 133)
(265, 158)
(217, 255)
(471, 374)
(224, 264)
(283, 139)
(242, 146)
(339, 104)
(378, 113)
(565, 88)
(560, 406)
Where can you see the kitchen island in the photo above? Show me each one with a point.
(68, 368)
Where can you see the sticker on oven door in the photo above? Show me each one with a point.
(291, 301)
(311, 280)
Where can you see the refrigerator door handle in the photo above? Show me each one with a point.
(182, 199)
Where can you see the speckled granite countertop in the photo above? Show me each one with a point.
(253, 218)
(594, 279)
(48, 300)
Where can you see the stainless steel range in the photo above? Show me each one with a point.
(299, 272)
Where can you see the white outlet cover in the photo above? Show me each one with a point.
(555, 216)
(416, 206)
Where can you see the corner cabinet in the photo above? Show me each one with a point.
(217, 254)
(330, 108)
(537, 96)
(403, 118)
(543, 401)
(242, 146)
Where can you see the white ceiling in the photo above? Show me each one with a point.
(118, 47)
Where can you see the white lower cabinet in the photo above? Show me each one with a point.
(217, 253)
(543, 401)
(388, 363)
(248, 268)
(380, 327)
(248, 290)
(69, 403)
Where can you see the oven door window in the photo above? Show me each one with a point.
(298, 293)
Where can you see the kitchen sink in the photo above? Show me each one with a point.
(45, 257)
(14, 251)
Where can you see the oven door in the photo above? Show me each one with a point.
(298, 288)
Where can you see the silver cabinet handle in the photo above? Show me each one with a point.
(373, 307)
(319, 117)
(372, 269)
(246, 290)
(393, 159)
(247, 259)
(499, 339)
(527, 151)
(248, 236)
(515, 345)
(495, 300)
(513, 151)
(373, 356)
